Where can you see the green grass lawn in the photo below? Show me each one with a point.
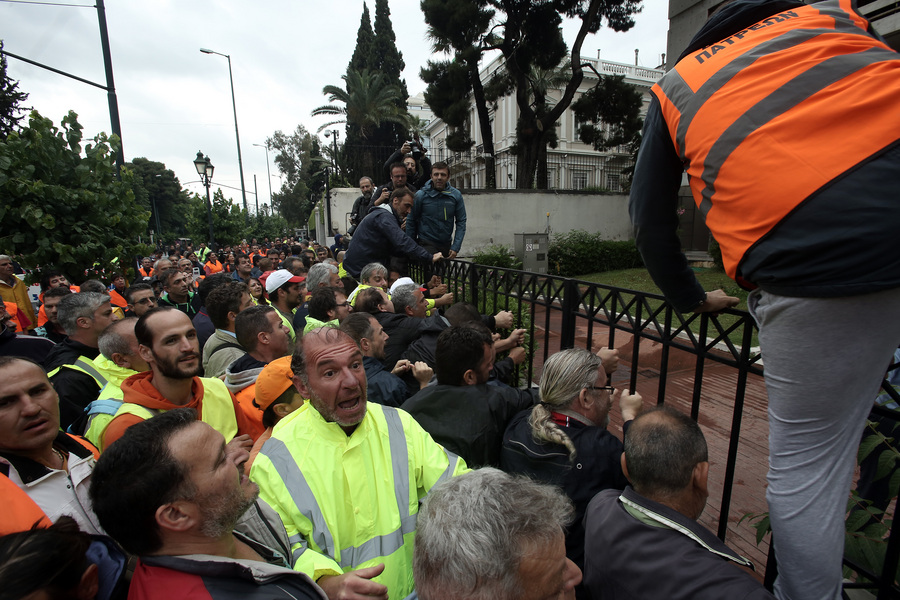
(710, 279)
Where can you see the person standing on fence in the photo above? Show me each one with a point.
(438, 218)
(755, 111)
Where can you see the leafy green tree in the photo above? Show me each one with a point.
(368, 101)
(62, 204)
(529, 36)
(297, 156)
(365, 43)
(229, 220)
(10, 100)
(388, 61)
(164, 191)
(460, 26)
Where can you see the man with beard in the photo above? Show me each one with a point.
(175, 494)
(346, 476)
(462, 412)
(362, 204)
(168, 343)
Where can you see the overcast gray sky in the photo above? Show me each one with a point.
(174, 100)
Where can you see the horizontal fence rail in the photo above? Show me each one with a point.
(561, 313)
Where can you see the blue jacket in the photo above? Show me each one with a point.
(379, 237)
(434, 214)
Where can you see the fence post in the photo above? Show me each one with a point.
(473, 283)
(570, 305)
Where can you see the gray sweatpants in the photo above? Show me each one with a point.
(824, 361)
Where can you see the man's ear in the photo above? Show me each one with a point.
(301, 387)
(282, 409)
(89, 583)
(83, 322)
(146, 353)
(700, 479)
(470, 378)
(180, 515)
(407, 311)
(582, 400)
(624, 466)
(121, 360)
(365, 344)
(231, 317)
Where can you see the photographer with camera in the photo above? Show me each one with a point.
(413, 156)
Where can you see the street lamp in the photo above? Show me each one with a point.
(335, 133)
(267, 173)
(205, 169)
(236, 134)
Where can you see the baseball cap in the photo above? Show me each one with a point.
(279, 278)
(273, 380)
(405, 281)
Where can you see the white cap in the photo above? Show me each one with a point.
(281, 277)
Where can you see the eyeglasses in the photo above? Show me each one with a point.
(608, 388)
(345, 303)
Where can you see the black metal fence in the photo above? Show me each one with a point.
(565, 313)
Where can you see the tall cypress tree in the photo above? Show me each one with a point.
(388, 60)
(357, 163)
(365, 43)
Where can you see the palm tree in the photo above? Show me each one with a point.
(368, 101)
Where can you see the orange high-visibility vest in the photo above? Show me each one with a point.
(768, 116)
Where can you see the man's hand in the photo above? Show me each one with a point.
(630, 405)
(437, 256)
(610, 359)
(503, 319)
(717, 301)
(439, 290)
(445, 300)
(422, 372)
(452, 254)
(402, 366)
(354, 585)
(518, 355)
(405, 148)
(385, 194)
(515, 339)
(434, 282)
(238, 449)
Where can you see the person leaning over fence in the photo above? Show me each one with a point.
(750, 95)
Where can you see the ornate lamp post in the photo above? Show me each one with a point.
(205, 169)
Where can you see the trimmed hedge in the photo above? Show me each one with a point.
(579, 252)
(496, 255)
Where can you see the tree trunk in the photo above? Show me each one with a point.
(487, 134)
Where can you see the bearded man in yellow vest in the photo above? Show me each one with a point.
(785, 117)
(168, 343)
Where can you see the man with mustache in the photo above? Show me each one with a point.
(168, 343)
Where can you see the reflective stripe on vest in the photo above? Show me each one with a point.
(217, 408)
(757, 117)
(85, 366)
(302, 496)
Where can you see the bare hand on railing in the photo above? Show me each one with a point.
(518, 355)
(514, 340)
(503, 319)
(437, 256)
(609, 357)
(452, 255)
(445, 300)
(716, 301)
(439, 290)
(630, 405)
(433, 282)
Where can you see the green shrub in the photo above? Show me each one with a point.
(578, 252)
(496, 255)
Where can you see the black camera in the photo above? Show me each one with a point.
(416, 150)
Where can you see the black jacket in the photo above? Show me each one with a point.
(378, 238)
(76, 389)
(469, 420)
(596, 467)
